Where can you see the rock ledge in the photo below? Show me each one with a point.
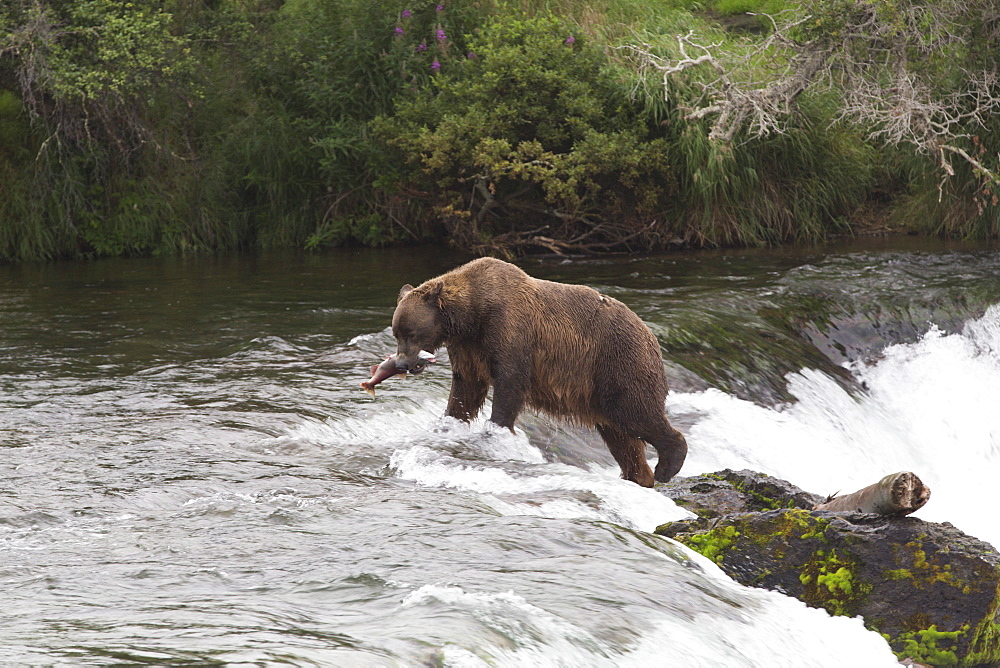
(931, 590)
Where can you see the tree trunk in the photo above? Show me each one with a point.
(897, 494)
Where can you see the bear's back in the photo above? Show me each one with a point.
(568, 315)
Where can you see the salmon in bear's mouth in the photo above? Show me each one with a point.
(389, 368)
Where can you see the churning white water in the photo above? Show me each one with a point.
(931, 407)
(768, 630)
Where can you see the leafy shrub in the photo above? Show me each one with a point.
(528, 132)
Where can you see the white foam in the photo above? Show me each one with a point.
(226, 502)
(371, 336)
(396, 427)
(779, 632)
(541, 638)
(490, 439)
(767, 629)
(390, 424)
(619, 500)
(931, 407)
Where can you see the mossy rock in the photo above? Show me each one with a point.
(932, 591)
(726, 492)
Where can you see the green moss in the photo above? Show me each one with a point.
(758, 500)
(707, 513)
(924, 643)
(985, 647)
(931, 646)
(761, 500)
(830, 582)
(831, 578)
(897, 574)
(713, 544)
(927, 573)
(918, 621)
(799, 523)
(818, 531)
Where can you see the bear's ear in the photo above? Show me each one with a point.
(433, 295)
(403, 291)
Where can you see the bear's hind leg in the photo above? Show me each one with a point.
(630, 453)
(671, 448)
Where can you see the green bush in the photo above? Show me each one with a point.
(528, 131)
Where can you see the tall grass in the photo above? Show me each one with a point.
(966, 205)
(796, 185)
(799, 184)
(23, 232)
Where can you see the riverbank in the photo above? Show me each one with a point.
(184, 129)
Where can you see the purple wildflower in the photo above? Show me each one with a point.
(406, 13)
(470, 55)
(440, 36)
(439, 8)
(435, 66)
(421, 47)
(570, 39)
(399, 31)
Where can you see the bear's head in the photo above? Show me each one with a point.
(418, 325)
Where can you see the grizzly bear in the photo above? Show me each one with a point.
(566, 350)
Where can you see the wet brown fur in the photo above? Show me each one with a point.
(566, 350)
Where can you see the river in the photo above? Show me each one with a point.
(191, 473)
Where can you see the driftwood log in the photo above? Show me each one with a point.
(898, 494)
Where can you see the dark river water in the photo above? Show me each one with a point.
(190, 472)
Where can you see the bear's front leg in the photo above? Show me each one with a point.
(510, 387)
(467, 396)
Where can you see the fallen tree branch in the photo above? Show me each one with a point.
(616, 240)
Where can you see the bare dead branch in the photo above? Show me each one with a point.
(890, 66)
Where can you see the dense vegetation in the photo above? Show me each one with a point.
(163, 127)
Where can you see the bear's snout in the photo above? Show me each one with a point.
(406, 367)
(413, 364)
